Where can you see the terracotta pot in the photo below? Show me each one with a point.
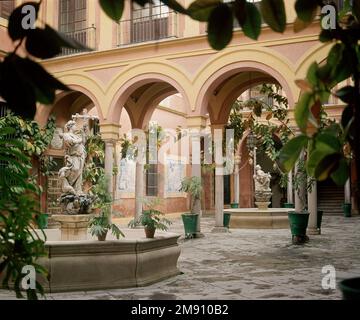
(102, 237)
(149, 232)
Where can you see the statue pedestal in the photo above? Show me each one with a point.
(262, 199)
(262, 205)
(73, 227)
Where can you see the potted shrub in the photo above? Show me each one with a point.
(151, 219)
(42, 220)
(234, 205)
(101, 224)
(299, 218)
(350, 288)
(347, 209)
(193, 187)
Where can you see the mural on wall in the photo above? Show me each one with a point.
(175, 171)
(126, 178)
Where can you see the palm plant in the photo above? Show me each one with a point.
(192, 186)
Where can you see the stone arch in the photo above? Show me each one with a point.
(223, 68)
(77, 83)
(141, 94)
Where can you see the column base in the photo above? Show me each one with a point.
(220, 230)
(313, 231)
(73, 227)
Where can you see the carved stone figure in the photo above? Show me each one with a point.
(262, 188)
(75, 154)
(262, 180)
(73, 200)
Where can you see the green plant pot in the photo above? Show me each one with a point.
(288, 205)
(234, 205)
(149, 232)
(190, 223)
(319, 218)
(350, 288)
(347, 209)
(298, 223)
(42, 220)
(102, 237)
(227, 217)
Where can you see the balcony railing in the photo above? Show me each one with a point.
(146, 29)
(86, 37)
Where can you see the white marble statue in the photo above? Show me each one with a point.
(73, 200)
(75, 154)
(262, 180)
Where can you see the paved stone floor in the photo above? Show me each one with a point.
(250, 264)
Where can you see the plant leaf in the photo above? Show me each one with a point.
(113, 8)
(220, 27)
(306, 9)
(251, 25)
(15, 28)
(291, 152)
(273, 12)
(201, 9)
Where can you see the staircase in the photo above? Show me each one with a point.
(330, 198)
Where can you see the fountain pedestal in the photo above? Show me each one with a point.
(262, 199)
(73, 227)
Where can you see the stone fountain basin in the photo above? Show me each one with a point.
(254, 218)
(90, 264)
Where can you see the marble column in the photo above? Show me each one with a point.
(312, 208)
(290, 193)
(110, 134)
(195, 126)
(219, 179)
(109, 163)
(139, 189)
(347, 192)
(237, 180)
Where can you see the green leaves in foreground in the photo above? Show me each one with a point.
(31, 80)
(290, 153)
(249, 18)
(219, 35)
(113, 8)
(273, 12)
(24, 82)
(325, 158)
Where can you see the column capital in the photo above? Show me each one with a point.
(198, 122)
(110, 131)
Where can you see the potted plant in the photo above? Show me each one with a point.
(100, 225)
(347, 209)
(299, 218)
(193, 187)
(350, 288)
(151, 219)
(42, 220)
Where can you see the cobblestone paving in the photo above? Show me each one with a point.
(250, 264)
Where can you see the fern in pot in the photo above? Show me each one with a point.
(151, 219)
